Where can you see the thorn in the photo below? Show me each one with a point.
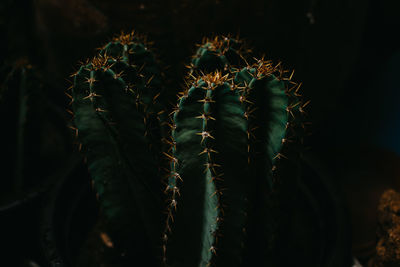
(205, 117)
(172, 158)
(74, 74)
(118, 75)
(74, 129)
(216, 177)
(244, 99)
(176, 176)
(289, 110)
(279, 156)
(208, 151)
(291, 75)
(297, 90)
(216, 192)
(91, 80)
(176, 190)
(106, 240)
(213, 250)
(91, 96)
(173, 204)
(100, 110)
(204, 135)
(305, 104)
(141, 68)
(210, 165)
(206, 100)
(149, 80)
(172, 126)
(154, 99)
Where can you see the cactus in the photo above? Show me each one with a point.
(228, 131)
(227, 134)
(115, 113)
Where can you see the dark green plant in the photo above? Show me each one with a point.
(114, 98)
(36, 139)
(227, 133)
(228, 130)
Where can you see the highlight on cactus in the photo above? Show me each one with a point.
(234, 120)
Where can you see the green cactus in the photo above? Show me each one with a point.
(227, 133)
(115, 113)
(209, 132)
(228, 130)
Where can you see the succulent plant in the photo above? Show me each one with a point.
(116, 117)
(228, 130)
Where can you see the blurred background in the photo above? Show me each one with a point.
(346, 54)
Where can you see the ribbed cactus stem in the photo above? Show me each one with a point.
(202, 128)
(116, 119)
(247, 115)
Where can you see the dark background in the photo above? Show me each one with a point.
(346, 54)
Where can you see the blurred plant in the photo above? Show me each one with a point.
(37, 139)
